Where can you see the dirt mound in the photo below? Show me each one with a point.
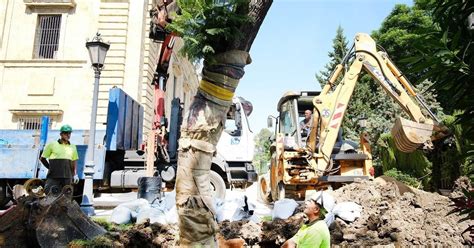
(247, 230)
(275, 233)
(141, 235)
(460, 184)
(389, 218)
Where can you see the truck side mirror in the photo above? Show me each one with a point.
(269, 122)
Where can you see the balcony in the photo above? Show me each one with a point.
(50, 3)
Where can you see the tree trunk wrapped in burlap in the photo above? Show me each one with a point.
(200, 133)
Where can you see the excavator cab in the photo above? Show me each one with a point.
(293, 167)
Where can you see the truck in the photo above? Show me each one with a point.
(321, 158)
(119, 156)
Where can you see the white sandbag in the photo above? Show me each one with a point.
(245, 211)
(135, 205)
(284, 208)
(348, 211)
(329, 218)
(121, 215)
(169, 201)
(226, 210)
(327, 200)
(171, 216)
(153, 214)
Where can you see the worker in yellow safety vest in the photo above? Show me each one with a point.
(60, 157)
(315, 232)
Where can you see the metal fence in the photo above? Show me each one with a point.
(47, 36)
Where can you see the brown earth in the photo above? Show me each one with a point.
(418, 218)
(393, 215)
(389, 218)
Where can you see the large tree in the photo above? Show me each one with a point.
(221, 33)
(262, 150)
(339, 50)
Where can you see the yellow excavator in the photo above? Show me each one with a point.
(317, 158)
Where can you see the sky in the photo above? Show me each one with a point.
(292, 45)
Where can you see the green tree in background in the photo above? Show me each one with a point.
(401, 29)
(339, 46)
(445, 55)
(262, 150)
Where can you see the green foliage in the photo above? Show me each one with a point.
(340, 49)
(449, 157)
(111, 227)
(464, 205)
(400, 29)
(262, 150)
(414, 164)
(101, 241)
(403, 177)
(445, 55)
(267, 218)
(208, 26)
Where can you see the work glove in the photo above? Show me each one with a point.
(76, 179)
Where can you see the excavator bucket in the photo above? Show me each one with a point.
(51, 221)
(409, 135)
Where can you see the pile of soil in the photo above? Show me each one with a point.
(275, 233)
(141, 235)
(389, 217)
(249, 231)
(266, 234)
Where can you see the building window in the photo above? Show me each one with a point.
(47, 36)
(31, 123)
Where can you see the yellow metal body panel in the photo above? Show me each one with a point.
(303, 166)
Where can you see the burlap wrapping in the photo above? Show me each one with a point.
(200, 133)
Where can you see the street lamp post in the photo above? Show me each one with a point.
(97, 51)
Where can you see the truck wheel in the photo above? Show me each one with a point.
(4, 199)
(217, 185)
(264, 194)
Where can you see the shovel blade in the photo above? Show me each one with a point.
(409, 135)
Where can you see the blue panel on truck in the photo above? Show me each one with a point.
(124, 122)
(14, 163)
(19, 152)
(127, 140)
(99, 160)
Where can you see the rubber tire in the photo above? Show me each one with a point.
(218, 184)
(4, 200)
(263, 196)
(280, 191)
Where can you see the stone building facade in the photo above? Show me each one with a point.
(45, 67)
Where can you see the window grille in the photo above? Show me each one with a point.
(31, 123)
(47, 36)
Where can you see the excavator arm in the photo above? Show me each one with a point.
(330, 106)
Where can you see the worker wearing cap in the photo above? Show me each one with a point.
(60, 157)
(314, 233)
